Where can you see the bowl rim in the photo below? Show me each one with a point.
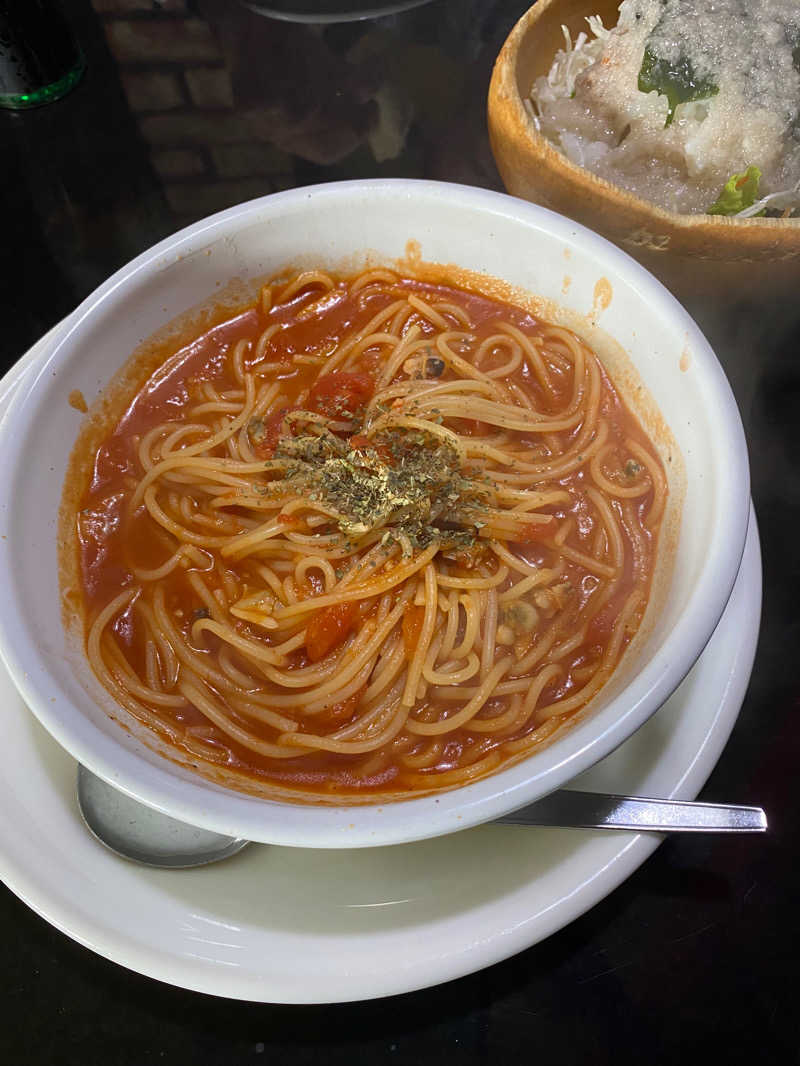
(376, 823)
(509, 119)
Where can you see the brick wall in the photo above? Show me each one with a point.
(207, 154)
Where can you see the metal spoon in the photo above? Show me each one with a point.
(136, 832)
(143, 835)
(569, 809)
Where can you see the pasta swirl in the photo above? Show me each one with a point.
(370, 536)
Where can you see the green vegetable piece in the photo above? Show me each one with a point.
(677, 81)
(738, 192)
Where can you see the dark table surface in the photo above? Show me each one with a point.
(187, 107)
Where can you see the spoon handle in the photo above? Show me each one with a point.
(570, 809)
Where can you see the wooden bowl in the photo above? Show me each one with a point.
(701, 258)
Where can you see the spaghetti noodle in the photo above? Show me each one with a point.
(369, 536)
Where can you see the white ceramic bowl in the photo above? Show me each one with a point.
(492, 234)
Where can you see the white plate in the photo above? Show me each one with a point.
(301, 926)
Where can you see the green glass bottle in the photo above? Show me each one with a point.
(40, 61)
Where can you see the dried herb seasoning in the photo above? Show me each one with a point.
(406, 481)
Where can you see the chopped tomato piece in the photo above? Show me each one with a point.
(413, 619)
(340, 394)
(340, 712)
(328, 628)
(359, 443)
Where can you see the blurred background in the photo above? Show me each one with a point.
(190, 106)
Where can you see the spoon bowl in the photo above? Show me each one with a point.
(146, 836)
